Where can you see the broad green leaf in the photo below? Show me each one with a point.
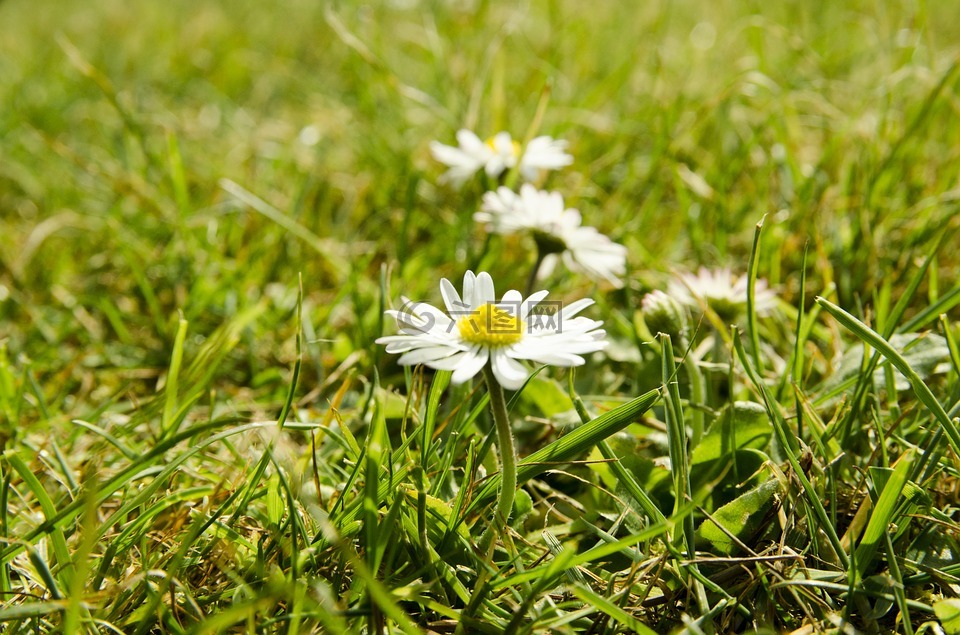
(934, 548)
(275, 506)
(742, 518)
(746, 471)
(522, 507)
(439, 509)
(546, 396)
(730, 453)
(948, 612)
(741, 425)
(394, 405)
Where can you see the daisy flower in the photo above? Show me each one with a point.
(477, 330)
(497, 155)
(723, 291)
(558, 232)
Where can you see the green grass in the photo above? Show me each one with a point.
(205, 208)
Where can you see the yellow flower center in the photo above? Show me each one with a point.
(513, 142)
(491, 326)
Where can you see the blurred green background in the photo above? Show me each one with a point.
(195, 157)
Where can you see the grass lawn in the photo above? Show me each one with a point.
(206, 210)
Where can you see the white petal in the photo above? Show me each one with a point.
(546, 153)
(469, 290)
(508, 372)
(511, 301)
(528, 172)
(557, 359)
(484, 292)
(472, 144)
(573, 308)
(503, 143)
(547, 266)
(451, 156)
(420, 318)
(470, 365)
(451, 298)
(495, 166)
(448, 363)
(426, 355)
(531, 302)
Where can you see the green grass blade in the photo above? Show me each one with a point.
(789, 444)
(594, 554)
(173, 375)
(943, 304)
(570, 445)
(920, 389)
(752, 267)
(947, 332)
(50, 513)
(883, 514)
(798, 360)
(613, 611)
(623, 475)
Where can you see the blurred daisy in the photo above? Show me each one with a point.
(477, 330)
(497, 155)
(721, 290)
(558, 232)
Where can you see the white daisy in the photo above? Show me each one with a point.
(558, 232)
(543, 153)
(497, 155)
(476, 330)
(723, 291)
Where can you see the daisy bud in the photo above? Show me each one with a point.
(665, 315)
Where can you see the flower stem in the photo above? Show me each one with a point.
(508, 457)
(532, 280)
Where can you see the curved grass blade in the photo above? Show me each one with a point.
(789, 445)
(920, 389)
(568, 446)
(613, 611)
(883, 515)
(751, 297)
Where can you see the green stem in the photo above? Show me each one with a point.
(508, 457)
(532, 279)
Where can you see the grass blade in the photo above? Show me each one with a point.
(568, 446)
(613, 611)
(751, 297)
(920, 389)
(789, 445)
(882, 516)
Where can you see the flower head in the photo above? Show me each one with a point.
(497, 155)
(721, 290)
(663, 314)
(477, 330)
(558, 231)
